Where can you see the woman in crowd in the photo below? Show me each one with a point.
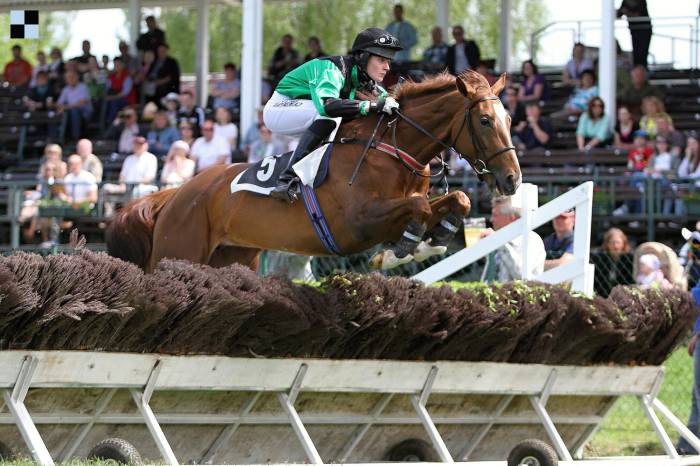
(592, 130)
(690, 165)
(121, 91)
(578, 101)
(53, 154)
(613, 262)
(625, 127)
(223, 128)
(573, 71)
(652, 108)
(187, 132)
(533, 85)
(178, 168)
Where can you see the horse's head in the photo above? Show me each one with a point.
(482, 133)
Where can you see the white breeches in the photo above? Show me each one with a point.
(287, 116)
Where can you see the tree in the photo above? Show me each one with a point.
(52, 33)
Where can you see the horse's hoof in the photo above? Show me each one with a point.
(386, 260)
(425, 250)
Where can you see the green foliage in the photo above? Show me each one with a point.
(53, 32)
(336, 22)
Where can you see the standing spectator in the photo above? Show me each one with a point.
(208, 150)
(56, 70)
(625, 127)
(640, 28)
(41, 65)
(91, 162)
(41, 94)
(225, 129)
(152, 38)
(533, 85)
(638, 89)
(120, 89)
(675, 138)
(514, 107)
(613, 262)
(264, 146)
(535, 131)
(190, 112)
(131, 63)
(576, 65)
(284, 60)
(506, 263)
(227, 92)
(560, 244)
(404, 32)
(80, 185)
(127, 126)
(435, 56)
(84, 59)
(187, 132)
(178, 168)
(684, 448)
(583, 93)
(75, 102)
(164, 73)
(463, 54)
(162, 135)
(653, 109)
(315, 49)
(18, 71)
(593, 128)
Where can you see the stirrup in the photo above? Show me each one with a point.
(287, 192)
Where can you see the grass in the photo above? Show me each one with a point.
(626, 430)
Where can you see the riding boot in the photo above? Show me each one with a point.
(288, 182)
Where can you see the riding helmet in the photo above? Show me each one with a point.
(376, 41)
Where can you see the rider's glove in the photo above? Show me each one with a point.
(390, 106)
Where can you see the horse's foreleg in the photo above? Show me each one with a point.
(227, 255)
(447, 218)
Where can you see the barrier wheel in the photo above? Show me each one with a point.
(6, 453)
(411, 450)
(115, 449)
(533, 452)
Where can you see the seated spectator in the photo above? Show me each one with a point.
(224, 128)
(187, 133)
(164, 73)
(53, 154)
(653, 109)
(127, 126)
(573, 71)
(41, 65)
(227, 92)
(650, 273)
(56, 70)
(593, 128)
(253, 133)
(209, 150)
(190, 112)
(91, 162)
(41, 95)
(560, 244)
(152, 38)
(613, 262)
(146, 87)
(130, 62)
(690, 165)
(178, 168)
(161, 135)
(315, 49)
(663, 161)
(535, 131)
(463, 54)
(514, 107)
(264, 146)
(18, 71)
(80, 185)
(171, 103)
(675, 138)
(95, 78)
(74, 101)
(625, 127)
(639, 88)
(435, 56)
(583, 93)
(138, 171)
(120, 89)
(533, 86)
(50, 187)
(638, 157)
(506, 263)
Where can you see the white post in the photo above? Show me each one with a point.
(529, 203)
(606, 59)
(442, 17)
(251, 63)
(202, 52)
(134, 24)
(505, 40)
(582, 241)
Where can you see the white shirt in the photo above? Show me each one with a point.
(509, 259)
(663, 161)
(126, 139)
(684, 170)
(138, 167)
(228, 132)
(79, 187)
(207, 153)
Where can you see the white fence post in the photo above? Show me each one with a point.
(528, 194)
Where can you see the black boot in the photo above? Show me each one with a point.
(288, 182)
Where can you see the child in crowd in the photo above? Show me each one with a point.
(639, 155)
(650, 274)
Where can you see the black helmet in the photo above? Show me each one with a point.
(376, 42)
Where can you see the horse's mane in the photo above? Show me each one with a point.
(438, 84)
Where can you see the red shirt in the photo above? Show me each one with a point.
(18, 72)
(639, 157)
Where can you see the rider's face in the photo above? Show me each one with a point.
(377, 67)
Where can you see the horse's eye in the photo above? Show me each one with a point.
(484, 121)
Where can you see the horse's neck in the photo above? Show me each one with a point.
(434, 116)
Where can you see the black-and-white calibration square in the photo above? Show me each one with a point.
(24, 24)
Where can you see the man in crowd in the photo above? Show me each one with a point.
(227, 91)
(463, 54)
(18, 72)
(126, 125)
(190, 113)
(131, 62)
(84, 59)
(139, 169)
(284, 60)
(676, 140)
(91, 163)
(152, 38)
(506, 263)
(75, 102)
(209, 150)
(535, 131)
(633, 94)
(80, 185)
(164, 73)
(404, 32)
(435, 56)
(560, 244)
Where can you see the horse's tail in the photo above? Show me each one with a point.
(130, 234)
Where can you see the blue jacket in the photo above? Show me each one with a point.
(696, 296)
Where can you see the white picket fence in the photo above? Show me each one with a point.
(579, 272)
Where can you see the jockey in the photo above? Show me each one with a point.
(308, 98)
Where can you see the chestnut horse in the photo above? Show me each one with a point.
(204, 223)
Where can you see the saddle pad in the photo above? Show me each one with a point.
(261, 178)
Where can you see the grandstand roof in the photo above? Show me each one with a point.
(65, 5)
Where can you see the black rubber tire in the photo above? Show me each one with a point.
(115, 449)
(412, 450)
(533, 452)
(6, 453)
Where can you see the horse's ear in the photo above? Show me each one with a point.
(499, 85)
(466, 89)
